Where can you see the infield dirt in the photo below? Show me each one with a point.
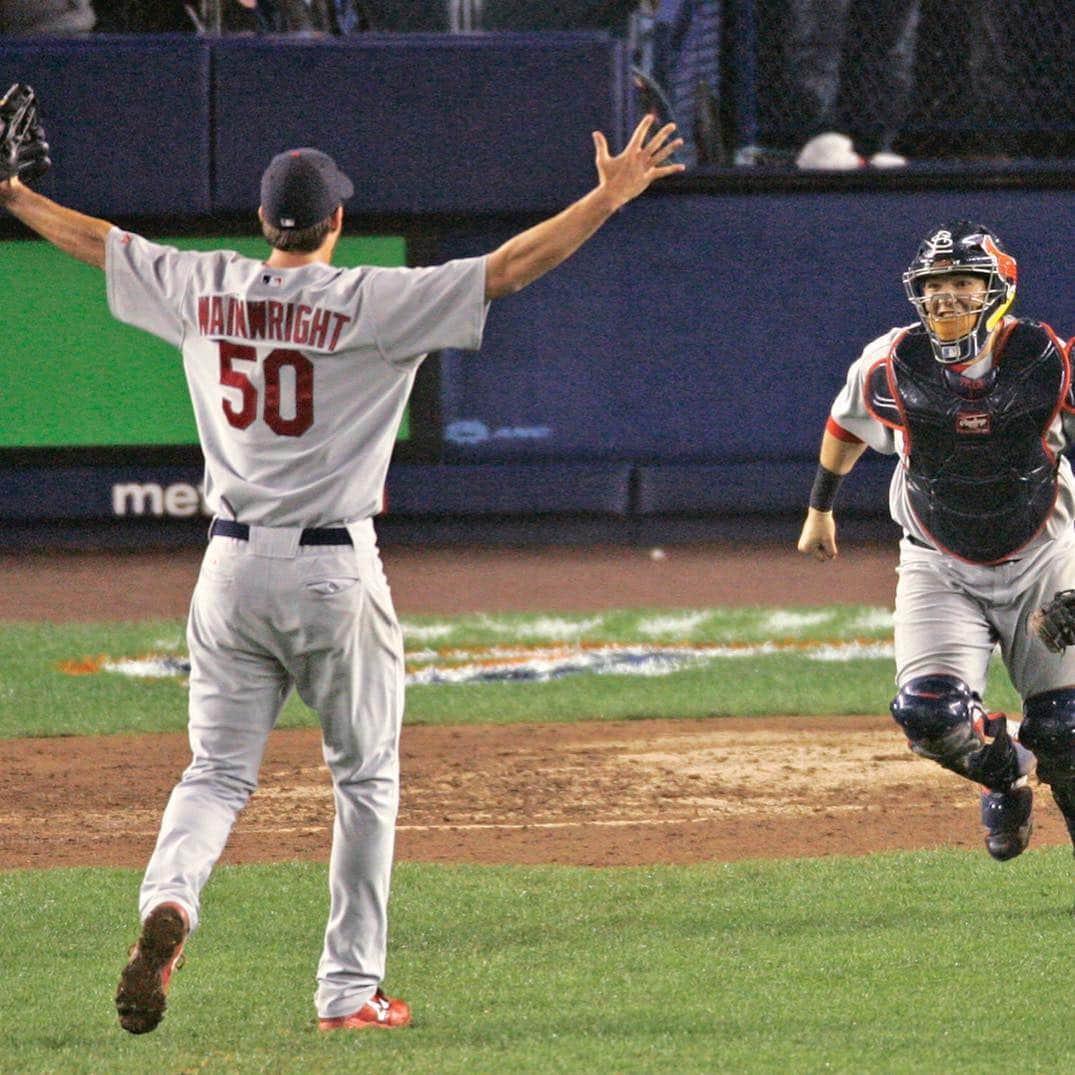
(615, 793)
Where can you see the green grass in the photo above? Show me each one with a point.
(939, 962)
(928, 962)
(786, 685)
(37, 698)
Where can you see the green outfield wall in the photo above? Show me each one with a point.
(76, 377)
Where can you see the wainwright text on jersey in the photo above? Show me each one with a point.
(267, 319)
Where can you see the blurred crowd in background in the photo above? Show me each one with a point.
(809, 84)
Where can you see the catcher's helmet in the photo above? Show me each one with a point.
(963, 247)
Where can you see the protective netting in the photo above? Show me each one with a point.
(752, 81)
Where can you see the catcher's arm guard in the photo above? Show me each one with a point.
(1054, 622)
(23, 149)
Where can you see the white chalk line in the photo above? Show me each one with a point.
(766, 809)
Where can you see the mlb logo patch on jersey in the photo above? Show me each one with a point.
(973, 423)
(268, 279)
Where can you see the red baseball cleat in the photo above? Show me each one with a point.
(388, 1013)
(143, 985)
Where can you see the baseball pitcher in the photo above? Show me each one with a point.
(979, 406)
(299, 373)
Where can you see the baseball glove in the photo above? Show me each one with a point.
(1054, 623)
(23, 149)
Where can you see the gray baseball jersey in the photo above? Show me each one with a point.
(299, 378)
(950, 614)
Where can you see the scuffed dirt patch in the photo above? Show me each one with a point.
(618, 793)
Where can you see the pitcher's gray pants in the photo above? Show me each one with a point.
(268, 614)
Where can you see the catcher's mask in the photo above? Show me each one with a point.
(961, 248)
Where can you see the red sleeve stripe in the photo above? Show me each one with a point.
(838, 431)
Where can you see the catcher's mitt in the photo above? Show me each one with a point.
(23, 149)
(1054, 623)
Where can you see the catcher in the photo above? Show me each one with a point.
(979, 406)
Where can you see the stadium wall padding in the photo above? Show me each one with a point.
(437, 123)
(719, 327)
(127, 117)
(423, 123)
(682, 362)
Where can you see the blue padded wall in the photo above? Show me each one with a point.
(127, 117)
(136, 490)
(88, 492)
(717, 328)
(509, 488)
(422, 124)
(754, 488)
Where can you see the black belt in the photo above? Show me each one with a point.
(921, 544)
(316, 536)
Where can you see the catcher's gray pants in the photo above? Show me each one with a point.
(267, 614)
(951, 615)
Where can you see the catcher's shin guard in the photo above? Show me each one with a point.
(1048, 729)
(945, 721)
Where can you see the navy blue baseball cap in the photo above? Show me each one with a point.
(302, 187)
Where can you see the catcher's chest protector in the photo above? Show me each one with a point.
(980, 479)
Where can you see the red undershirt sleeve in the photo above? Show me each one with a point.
(836, 430)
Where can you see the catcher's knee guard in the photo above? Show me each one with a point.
(944, 721)
(1048, 729)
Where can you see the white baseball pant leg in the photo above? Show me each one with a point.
(237, 687)
(356, 685)
(950, 616)
(268, 613)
